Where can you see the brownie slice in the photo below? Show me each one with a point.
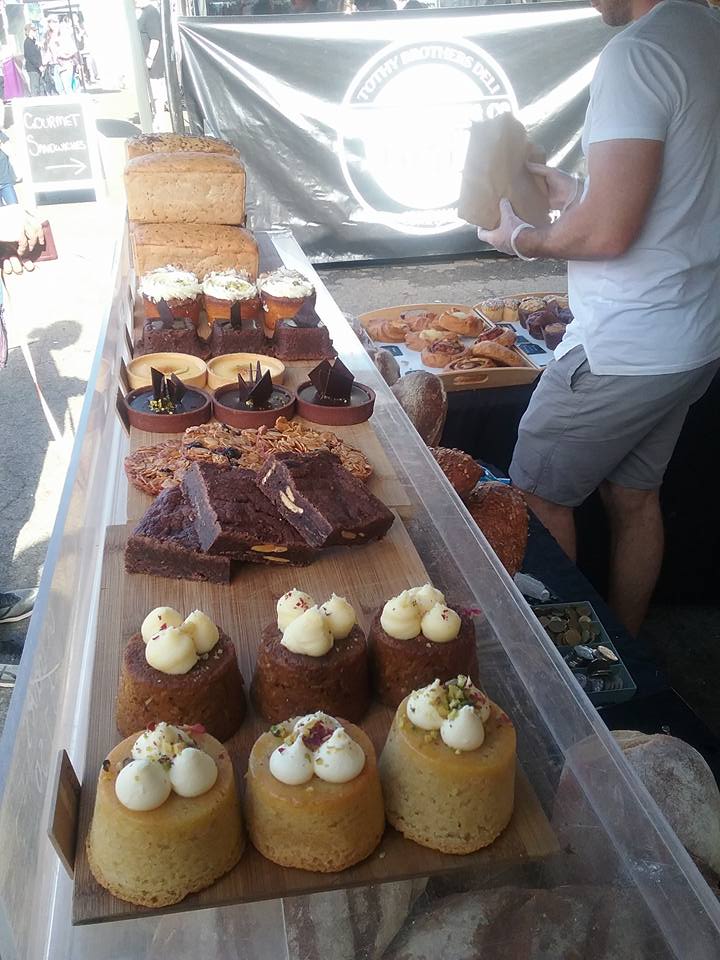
(318, 496)
(233, 517)
(226, 339)
(164, 543)
(292, 342)
(173, 336)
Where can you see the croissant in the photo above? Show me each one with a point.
(501, 356)
(417, 320)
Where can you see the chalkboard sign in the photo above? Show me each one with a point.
(60, 143)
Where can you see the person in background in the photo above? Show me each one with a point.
(305, 6)
(33, 59)
(49, 55)
(66, 57)
(642, 240)
(7, 176)
(150, 27)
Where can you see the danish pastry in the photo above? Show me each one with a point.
(500, 356)
(417, 320)
(422, 339)
(504, 336)
(441, 352)
(386, 331)
(468, 362)
(461, 322)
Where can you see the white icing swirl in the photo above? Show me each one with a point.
(159, 619)
(164, 740)
(440, 624)
(292, 763)
(311, 718)
(203, 631)
(426, 597)
(290, 606)
(465, 731)
(286, 283)
(401, 617)
(169, 283)
(171, 651)
(193, 772)
(142, 785)
(339, 759)
(309, 634)
(229, 285)
(340, 615)
(424, 705)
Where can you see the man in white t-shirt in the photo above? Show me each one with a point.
(642, 237)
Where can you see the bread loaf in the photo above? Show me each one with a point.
(176, 143)
(501, 513)
(186, 188)
(422, 396)
(200, 248)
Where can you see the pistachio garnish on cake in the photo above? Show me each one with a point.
(415, 637)
(313, 798)
(185, 670)
(166, 821)
(179, 289)
(449, 741)
(224, 288)
(311, 657)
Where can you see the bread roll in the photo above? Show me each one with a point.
(200, 248)
(176, 143)
(186, 188)
(501, 513)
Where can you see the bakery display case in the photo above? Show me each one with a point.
(589, 845)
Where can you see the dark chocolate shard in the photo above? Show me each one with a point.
(176, 388)
(257, 390)
(306, 315)
(235, 315)
(333, 382)
(164, 311)
(157, 383)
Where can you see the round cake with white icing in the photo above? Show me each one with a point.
(448, 767)
(313, 798)
(221, 289)
(167, 820)
(415, 638)
(183, 670)
(312, 657)
(180, 289)
(283, 293)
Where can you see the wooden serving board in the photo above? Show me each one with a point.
(525, 371)
(384, 482)
(367, 576)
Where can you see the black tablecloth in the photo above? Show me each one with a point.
(484, 423)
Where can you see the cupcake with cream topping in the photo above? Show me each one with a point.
(312, 797)
(184, 670)
(222, 289)
(416, 637)
(448, 767)
(179, 289)
(311, 657)
(166, 820)
(283, 293)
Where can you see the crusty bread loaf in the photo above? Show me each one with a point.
(501, 513)
(198, 247)
(422, 396)
(186, 188)
(176, 143)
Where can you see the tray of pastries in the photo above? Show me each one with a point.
(465, 349)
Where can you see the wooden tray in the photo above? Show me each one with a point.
(525, 372)
(384, 482)
(366, 576)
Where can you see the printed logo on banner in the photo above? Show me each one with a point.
(405, 126)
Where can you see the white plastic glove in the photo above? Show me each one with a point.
(563, 188)
(503, 235)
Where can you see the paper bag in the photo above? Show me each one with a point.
(495, 168)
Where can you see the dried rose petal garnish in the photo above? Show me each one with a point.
(315, 735)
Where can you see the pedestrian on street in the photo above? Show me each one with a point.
(7, 176)
(150, 26)
(33, 59)
(642, 239)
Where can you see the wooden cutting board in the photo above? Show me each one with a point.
(384, 482)
(367, 576)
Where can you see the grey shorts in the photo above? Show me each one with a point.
(581, 429)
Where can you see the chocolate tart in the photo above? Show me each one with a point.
(292, 684)
(358, 409)
(194, 408)
(211, 693)
(229, 408)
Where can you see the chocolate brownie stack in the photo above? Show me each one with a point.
(295, 505)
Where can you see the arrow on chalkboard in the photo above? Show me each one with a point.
(79, 166)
